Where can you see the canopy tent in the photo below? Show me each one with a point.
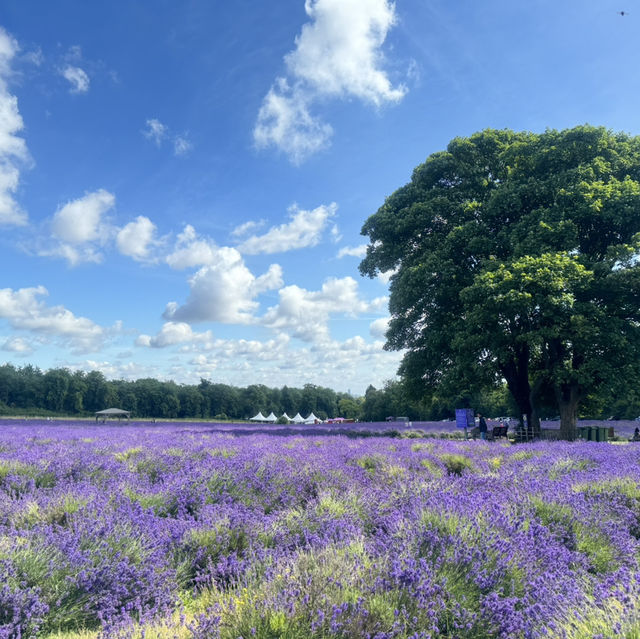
(298, 419)
(258, 418)
(272, 419)
(312, 419)
(113, 413)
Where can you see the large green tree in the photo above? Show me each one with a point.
(514, 257)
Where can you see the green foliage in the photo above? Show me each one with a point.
(162, 505)
(29, 391)
(514, 258)
(59, 512)
(456, 464)
(371, 463)
(588, 540)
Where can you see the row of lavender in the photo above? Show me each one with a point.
(267, 536)
(623, 428)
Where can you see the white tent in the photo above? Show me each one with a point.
(271, 419)
(258, 418)
(298, 419)
(286, 417)
(312, 419)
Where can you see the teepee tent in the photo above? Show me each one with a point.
(285, 416)
(298, 419)
(312, 419)
(258, 418)
(272, 419)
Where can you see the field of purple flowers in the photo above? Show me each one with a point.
(185, 531)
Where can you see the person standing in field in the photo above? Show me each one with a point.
(482, 426)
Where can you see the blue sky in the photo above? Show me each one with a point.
(183, 184)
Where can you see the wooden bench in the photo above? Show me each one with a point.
(493, 433)
(498, 431)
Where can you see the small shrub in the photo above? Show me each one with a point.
(456, 464)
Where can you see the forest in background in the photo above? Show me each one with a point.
(28, 390)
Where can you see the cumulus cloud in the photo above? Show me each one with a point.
(305, 314)
(192, 250)
(353, 251)
(77, 77)
(25, 310)
(79, 229)
(80, 220)
(304, 230)
(173, 333)
(13, 149)
(386, 276)
(378, 328)
(223, 289)
(136, 238)
(17, 345)
(82, 230)
(277, 362)
(337, 55)
(284, 121)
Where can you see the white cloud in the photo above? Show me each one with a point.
(25, 310)
(191, 250)
(17, 345)
(378, 328)
(173, 333)
(8, 49)
(305, 314)
(77, 77)
(284, 121)
(386, 276)
(337, 55)
(79, 230)
(158, 132)
(136, 238)
(74, 255)
(80, 220)
(304, 230)
(35, 57)
(246, 228)
(155, 131)
(181, 146)
(129, 370)
(276, 362)
(13, 150)
(353, 251)
(222, 291)
(74, 53)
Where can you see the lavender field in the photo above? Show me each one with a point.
(190, 531)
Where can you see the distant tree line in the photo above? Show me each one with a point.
(58, 391)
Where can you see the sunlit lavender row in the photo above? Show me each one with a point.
(184, 531)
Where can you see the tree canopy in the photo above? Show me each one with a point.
(514, 256)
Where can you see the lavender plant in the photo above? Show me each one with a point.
(183, 531)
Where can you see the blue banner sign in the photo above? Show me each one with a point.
(464, 418)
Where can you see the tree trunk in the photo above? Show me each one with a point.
(533, 419)
(568, 397)
(516, 372)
